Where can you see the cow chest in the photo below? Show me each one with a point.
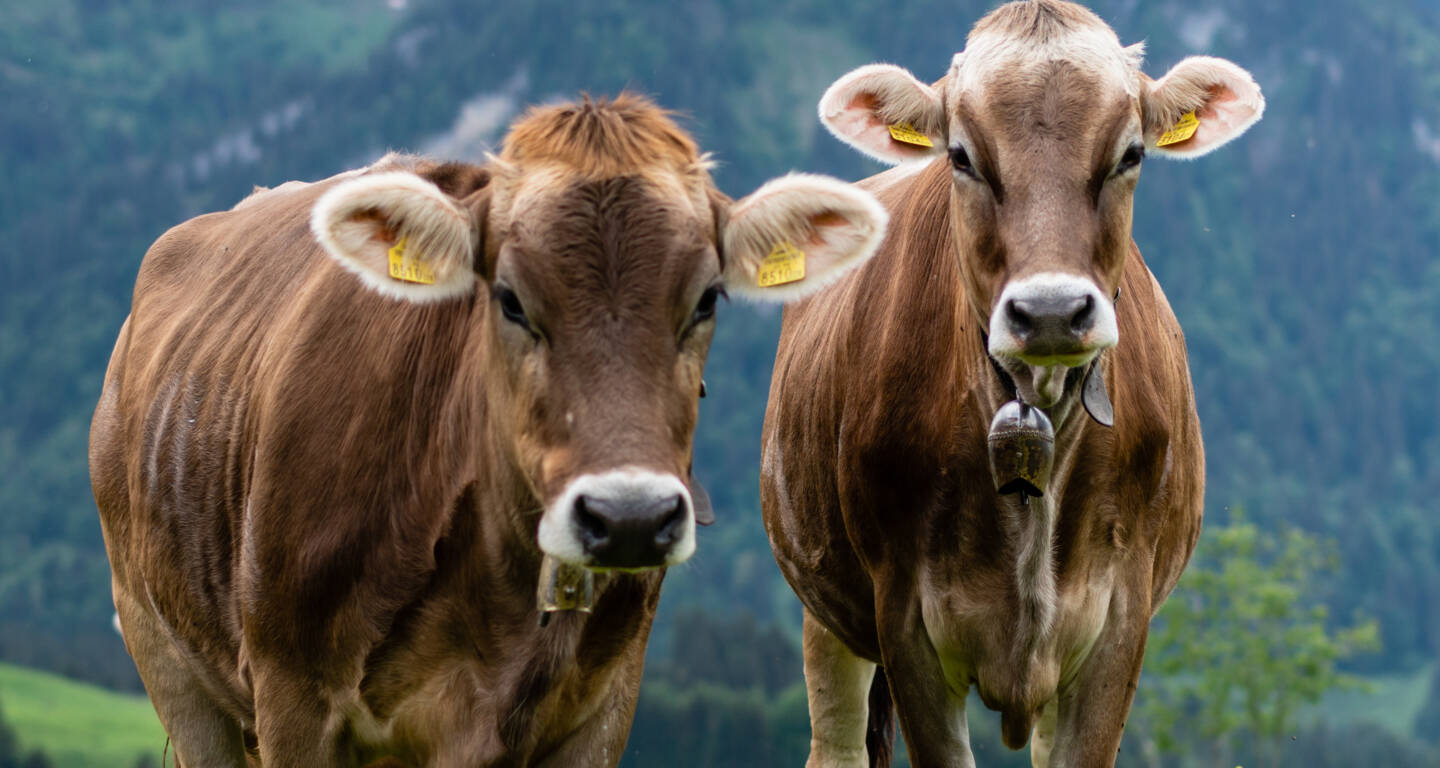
(1017, 637)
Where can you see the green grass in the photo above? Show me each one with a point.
(78, 725)
(82, 726)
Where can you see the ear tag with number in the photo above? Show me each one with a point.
(785, 264)
(1182, 131)
(402, 267)
(906, 133)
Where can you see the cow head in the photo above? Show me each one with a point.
(598, 248)
(1045, 119)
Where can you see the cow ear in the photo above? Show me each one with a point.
(400, 234)
(883, 111)
(700, 501)
(1198, 106)
(797, 234)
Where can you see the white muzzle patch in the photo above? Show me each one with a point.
(616, 519)
(1052, 289)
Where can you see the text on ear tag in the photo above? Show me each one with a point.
(785, 264)
(905, 132)
(410, 270)
(1182, 131)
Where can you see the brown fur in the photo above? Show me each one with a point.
(1037, 21)
(876, 487)
(600, 139)
(320, 503)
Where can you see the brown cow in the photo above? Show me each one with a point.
(327, 471)
(997, 279)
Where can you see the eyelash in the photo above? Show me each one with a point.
(511, 308)
(705, 309)
(1134, 155)
(960, 161)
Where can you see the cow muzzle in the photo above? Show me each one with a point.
(1051, 322)
(627, 519)
(1052, 319)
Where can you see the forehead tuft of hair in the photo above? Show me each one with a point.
(1039, 21)
(1021, 40)
(603, 138)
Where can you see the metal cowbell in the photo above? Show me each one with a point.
(1022, 449)
(564, 587)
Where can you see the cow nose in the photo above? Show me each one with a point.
(1050, 319)
(629, 531)
(1051, 315)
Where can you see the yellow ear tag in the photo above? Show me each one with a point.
(1182, 131)
(408, 269)
(785, 264)
(905, 132)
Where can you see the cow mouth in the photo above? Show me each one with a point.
(1045, 382)
(1055, 357)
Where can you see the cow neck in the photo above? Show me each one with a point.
(1029, 523)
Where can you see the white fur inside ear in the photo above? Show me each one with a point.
(1135, 55)
(359, 220)
(1225, 98)
(860, 107)
(835, 224)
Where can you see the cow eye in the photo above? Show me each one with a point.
(1132, 157)
(706, 308)
(960, 160)
(510, 307)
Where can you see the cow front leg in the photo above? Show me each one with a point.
(837, 685)
(932, 717)
(1042, 737)
(600, 742)
(294, 722)
(1091, 712)
(201, 733)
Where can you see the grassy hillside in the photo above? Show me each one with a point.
(83, 726)
(78, 725)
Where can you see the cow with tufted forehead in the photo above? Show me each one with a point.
(990, 326)
(350, 427)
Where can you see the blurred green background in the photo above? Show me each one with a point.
(1301, 261)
